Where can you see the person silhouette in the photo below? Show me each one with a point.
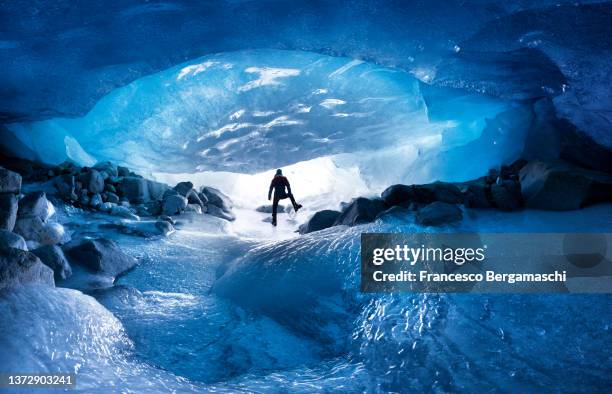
(279, 184)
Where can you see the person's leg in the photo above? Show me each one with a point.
(274, 209)
(296, 206)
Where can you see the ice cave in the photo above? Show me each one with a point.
(138, 140)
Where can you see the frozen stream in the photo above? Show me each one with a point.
(302, 325)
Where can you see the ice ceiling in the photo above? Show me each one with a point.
(246, 86)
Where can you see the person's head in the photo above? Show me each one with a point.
(279, 172)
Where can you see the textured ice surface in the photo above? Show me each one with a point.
(251, 111)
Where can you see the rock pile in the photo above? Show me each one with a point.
(536, 185)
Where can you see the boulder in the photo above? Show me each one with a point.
(123, 212)
(164, 227)
(109, 188)
(94, 181)
(9, 240)
(562, 186)
(8, 211)
(123, 171)
(319, 221)
(194, 208)
(193, 198)
(506, 195)
(112, 197)
(65, 185)
(20, 267)
(35, 204)
(268, 209)
(156, 189)
(10, 182)
(145, 228)
(203, 198)
(476, 194)
(29, 228)
(216, 197)
(109, 168)
(422, 194)
(220, 213)
(95, 201)
(166, 219)
(183, 188)
(100, 255)
(438, 213)
(174, 205)
(106, 206)
(153, 208)
(361, 210)
(135, 189)
(169, 192)
(53, 257)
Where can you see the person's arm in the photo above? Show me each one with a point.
(270, 191)
(288, 186)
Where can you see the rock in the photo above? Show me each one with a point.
(135, 189)
(52, 233)
(84, 199)
(169, 192)
(268, 209)
(319, 221)
(361, 210)
(10, 182)
(95, 201)
(506, 195)
(153, 208)
(220, 213)
(109, 188)
(193, 208)
(94, 181)
(65, 185)
(183, 188)
(112, 197)
(438, 213)
(203, 198)
(395, 211)
(109, 168)
(106, 206)
(193, 198)
(561, 186)
(8, 211)
(174, 205)
(20, 267)
(29, 228)
(156, 189)
(123, 171)
(53, 257)
(9, 240)
(123, 212)
(216, 197)
(164, 227)
(422, 194)
(166, 219)
(100, 255)
(476, 194)
(35, 204)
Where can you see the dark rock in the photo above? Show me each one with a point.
(123, 171)
(108, 187)
(53, 257)
(268, 209)
(35, 204)
(319, 221)
(9, 240)
(10, 182)
(109, 168)
(506, 195)
(183, 188)
(100, 255)
(438, 213)
(167, 219)
(145, 228)
(65, 185)
(124, 212)
(95, 201)
(476, 194)
(84, 199)
(193, 198)
(34, 229)
(94, 181)
(106, 206)
(20, 267)
(220, 213)
(135, 189)
(395, 211)
(153, 208)
(174, 205)
(361, 210)
(422, 194)
(203, 198)
(8, 211)
(112, 197)
(156, 189)
(218, 198)
(562, 186)
(169, 192)
(197, 208)
(164, 227)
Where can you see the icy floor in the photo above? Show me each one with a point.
(287, 315)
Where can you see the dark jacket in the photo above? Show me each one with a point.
(279, 183)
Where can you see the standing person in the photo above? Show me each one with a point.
(279, 184)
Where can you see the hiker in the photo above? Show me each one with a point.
(279, 184)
